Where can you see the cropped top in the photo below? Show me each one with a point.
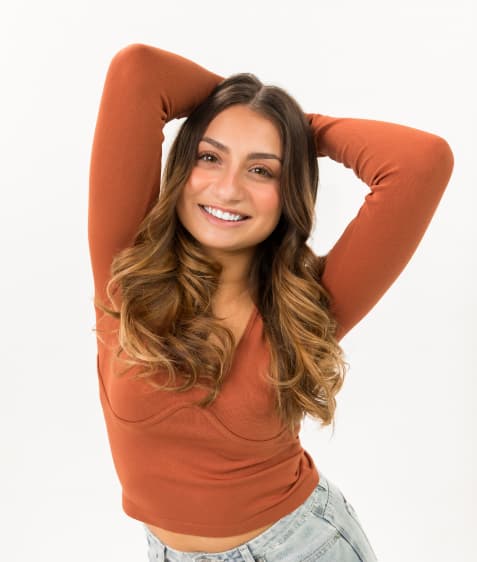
(231, 468)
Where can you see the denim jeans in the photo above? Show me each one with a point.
(324, 528)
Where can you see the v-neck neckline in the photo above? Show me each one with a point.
(248, 326)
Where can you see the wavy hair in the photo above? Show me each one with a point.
(167, 282)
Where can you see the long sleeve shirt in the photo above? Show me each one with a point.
(182, 468)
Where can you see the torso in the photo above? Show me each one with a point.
(192, 543)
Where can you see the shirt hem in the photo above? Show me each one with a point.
(206, 530)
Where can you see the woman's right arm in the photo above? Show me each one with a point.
(145, 87)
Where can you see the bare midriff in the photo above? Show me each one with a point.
(193, 543)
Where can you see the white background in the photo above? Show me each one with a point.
(403, 451)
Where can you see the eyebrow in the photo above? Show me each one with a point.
(251, 156)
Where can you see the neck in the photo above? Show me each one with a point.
(234, 282)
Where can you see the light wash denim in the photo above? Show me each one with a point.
(324, 528)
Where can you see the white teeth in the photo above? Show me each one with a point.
(222, 215)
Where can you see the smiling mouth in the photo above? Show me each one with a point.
(244, 217)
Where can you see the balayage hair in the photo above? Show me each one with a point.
(167, 281)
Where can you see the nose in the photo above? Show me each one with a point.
(229, 185)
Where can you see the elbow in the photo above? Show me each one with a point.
(445, 156)
(131, 54)
(131, 68)
(439, 163)
(125, 62)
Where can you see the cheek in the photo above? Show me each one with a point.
(182, 203)
(270, 202)
(196, 182)
(188, 192)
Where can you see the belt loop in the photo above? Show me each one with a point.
(247, 554)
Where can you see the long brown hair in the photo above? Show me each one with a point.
(167, 281)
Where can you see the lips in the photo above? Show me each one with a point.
(226, 211)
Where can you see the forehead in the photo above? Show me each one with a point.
(239, 126)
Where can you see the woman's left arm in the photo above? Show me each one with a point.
(407, 171)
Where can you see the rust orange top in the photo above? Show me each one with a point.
(232, 468)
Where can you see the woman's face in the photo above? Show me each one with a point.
(237, 169)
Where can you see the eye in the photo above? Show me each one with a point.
(201, 156)
(267, 173)
(209, 157)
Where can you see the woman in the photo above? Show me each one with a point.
(218, 327)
